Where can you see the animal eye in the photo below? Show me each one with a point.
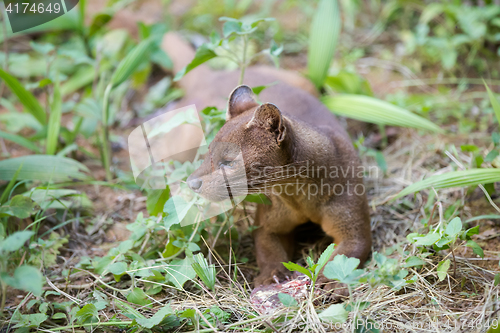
(226, 164)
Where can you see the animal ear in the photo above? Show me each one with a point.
(240, 100)
(268, 116)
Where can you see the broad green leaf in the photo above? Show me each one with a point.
(27, 99)
(203, 54)
(177, 209)
(59, 315)
(31, 320)
(287, 300)
(54, 121)
(156, 201)
(22, 141)
(117, 268)
(334, 314)
(139, 297)
(180, 271)
(454, 227)
(231, 27)
(43, 168)
(373, 110)
(156, 318)
(25, 278)
(87, 313)
(130, 63)
(414, 261)
(442, 269)
(292, 267)
(472, 177)
(323, 36)
(343, 269)
(323, 259)
(475, 248)
(21, 206)
(428, 239)
(494, 102)
(15, 241)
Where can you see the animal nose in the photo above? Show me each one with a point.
(194, 183)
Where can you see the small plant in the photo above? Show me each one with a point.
(233, 31)
(448, 236)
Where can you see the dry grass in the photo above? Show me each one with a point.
(466, 302)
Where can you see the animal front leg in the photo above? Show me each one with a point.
(271, 251)
(351, 232)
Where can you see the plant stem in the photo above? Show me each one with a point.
(4, 292)
(106, 149)
(243, 64)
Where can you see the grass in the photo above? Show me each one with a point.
(122, 269)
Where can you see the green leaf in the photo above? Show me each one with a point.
(494, 102)
(130, 63)
(323, 36)
(54, 121)
(87, 313)
(27, 99)
(156, 200)
(475, 248)
(334, 314)
(463, 178)
(287, 300)
(292, 267)
(59, 315)
(156, 319)
(204, 271)
(139, 297)
(258, 198)
(491, 155)
(10, 185)
(454, 227)
(21, 206)
(33, 320)
(343, 269)
(117, 268)
(497, 279)
(177, 209)
(98, 22)
(323, 259)
(25, 278)
(15, 241)
(203, 54)
(43, 168)
(258, 89)
(376, 111)
(231, 27)
(17, 139)
(414, 261)
(180, 271)
(428, 239)
(442, 269)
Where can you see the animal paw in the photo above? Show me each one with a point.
(276, 275)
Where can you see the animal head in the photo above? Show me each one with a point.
(254, 137)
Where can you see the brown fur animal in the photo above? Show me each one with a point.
(287, 143)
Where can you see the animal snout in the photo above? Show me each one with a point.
(194, 183)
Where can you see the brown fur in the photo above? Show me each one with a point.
(294, 130)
